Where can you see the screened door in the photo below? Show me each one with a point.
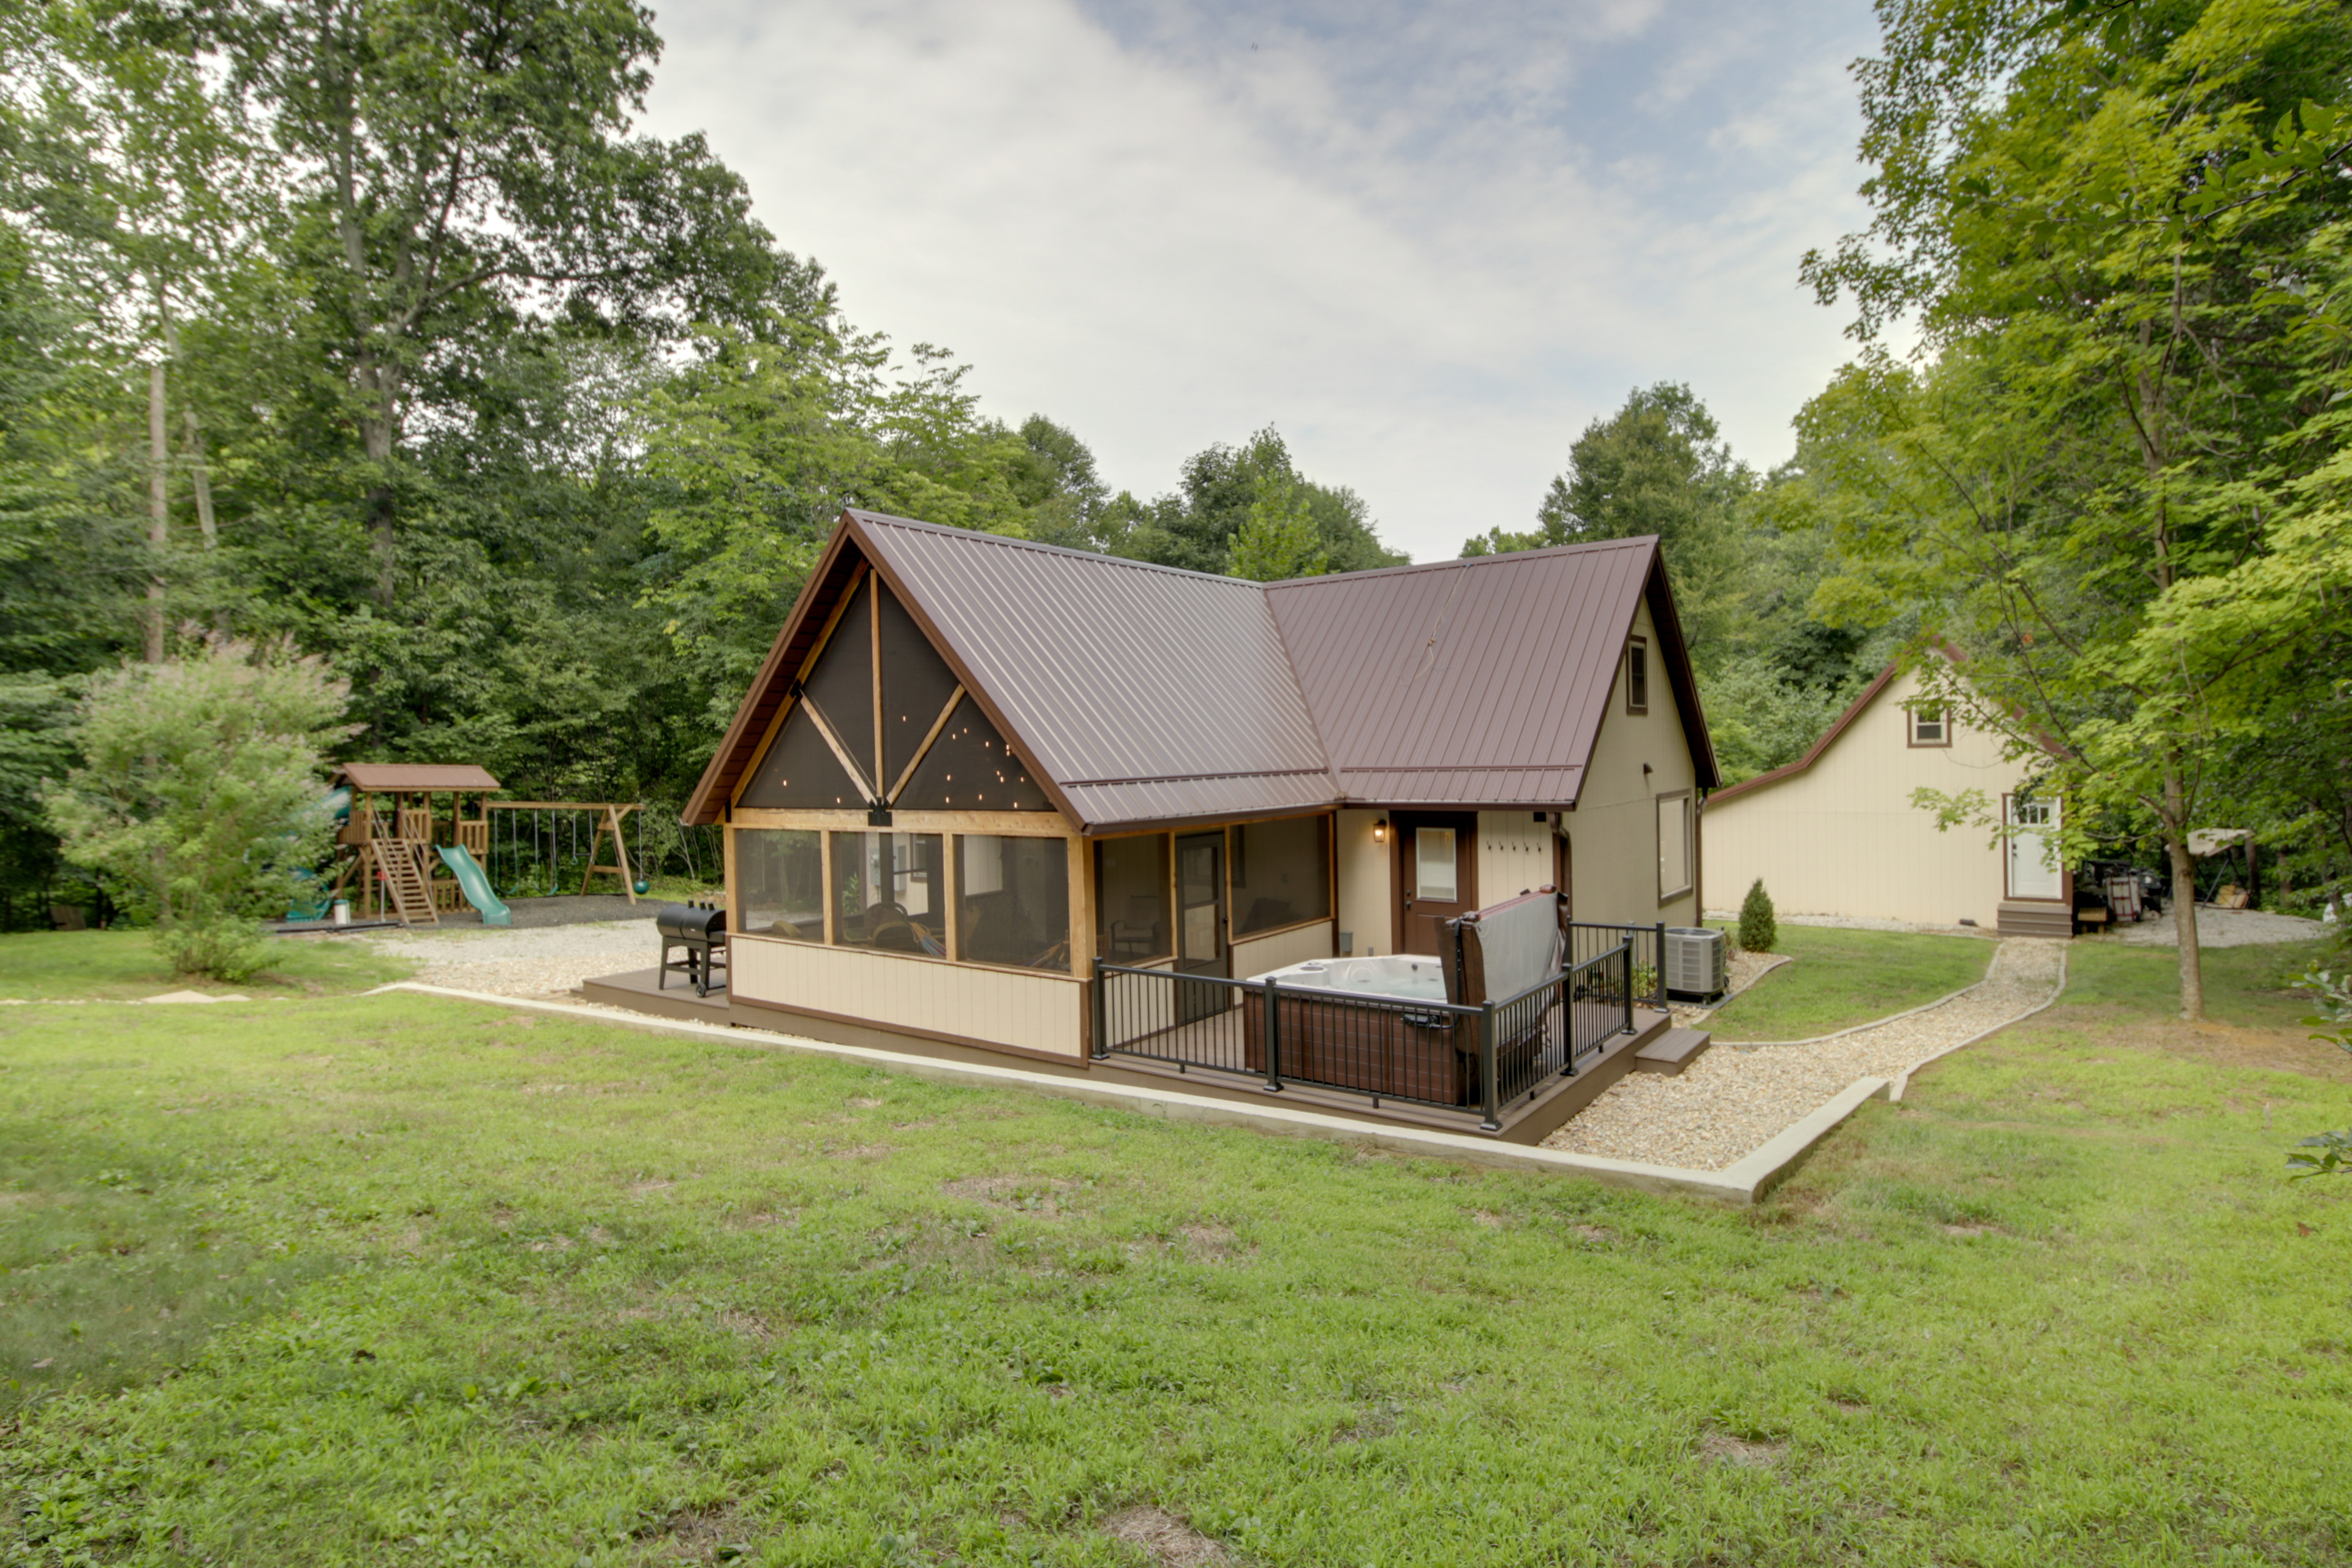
(1200, 924)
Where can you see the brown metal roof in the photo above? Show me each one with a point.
(390, 776)
(1144, 696)
(1482, 681)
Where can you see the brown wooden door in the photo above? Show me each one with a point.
(1425, 874)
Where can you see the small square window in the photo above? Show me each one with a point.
(1930, 728)
(1637, 677)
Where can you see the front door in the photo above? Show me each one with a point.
(2033, 870)
(1436, 874)
(1200, 904)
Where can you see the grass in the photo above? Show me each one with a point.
(1842, 978)
(395, 1279)
(123, 965)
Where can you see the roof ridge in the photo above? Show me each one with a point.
(1591, 546)
(888, 520)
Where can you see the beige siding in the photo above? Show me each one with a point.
(1036, 1011)
(1842, 837)
(1366, 896)
(1514, 854)
(1256, 955)
(1613, 831)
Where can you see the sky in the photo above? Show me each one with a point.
(1428, 243)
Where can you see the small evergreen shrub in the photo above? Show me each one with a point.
(1759, 932)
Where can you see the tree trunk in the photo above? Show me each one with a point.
(159, 522)
(2184, 897)
(376, 428)
(203, 484)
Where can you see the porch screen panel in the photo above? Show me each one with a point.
(916, 684)
(889, 892)
(969, 768)
(1131, 899)
(840, 684)
(1013, 901)
(780, 878)
(1281, 873)
(799, 771)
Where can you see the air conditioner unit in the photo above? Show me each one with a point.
(1696, 963)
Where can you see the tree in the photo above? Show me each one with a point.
(2105, 490)
(1657, 466)
(1279, 541)
(1759, 931)
(197, 796)
(1195, 527)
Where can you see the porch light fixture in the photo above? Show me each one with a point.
(1380, 831)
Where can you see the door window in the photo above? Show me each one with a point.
(1434, 864)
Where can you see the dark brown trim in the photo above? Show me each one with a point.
(1632, 709)
(745, 1005)
(1911, 730)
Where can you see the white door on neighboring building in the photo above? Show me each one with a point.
(2034, 868)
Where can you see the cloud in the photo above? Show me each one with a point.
(1430, 243)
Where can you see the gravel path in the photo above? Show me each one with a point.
(552, 961)
(1730, 1102)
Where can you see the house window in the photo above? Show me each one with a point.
(1013, 901)
(1281, 873)
(1930, 727)
(1434, 875)
(1637, 675)
(1132, 898)
(1674, 846)
(888, 891)
(780, 880)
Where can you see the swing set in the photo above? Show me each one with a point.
(391, 833)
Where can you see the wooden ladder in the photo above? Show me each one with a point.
(411, 896)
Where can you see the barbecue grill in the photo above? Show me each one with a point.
(703, 934)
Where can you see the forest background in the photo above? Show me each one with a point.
(371, 327)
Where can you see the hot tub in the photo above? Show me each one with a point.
(1353, 1023)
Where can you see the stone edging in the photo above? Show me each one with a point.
(1746, 1181)
(1891, 1017)
(1903, 1078)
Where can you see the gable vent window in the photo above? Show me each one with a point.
(1931, 728)
(1637, 675)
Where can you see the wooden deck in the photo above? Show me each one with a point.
(1527, 1119)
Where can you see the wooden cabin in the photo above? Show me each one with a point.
(971, 765)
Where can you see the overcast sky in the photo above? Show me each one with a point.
(1429, 243)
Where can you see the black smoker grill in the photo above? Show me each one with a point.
(702, 933)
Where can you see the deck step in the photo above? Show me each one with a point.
(1672, 1051)
(2036, 919)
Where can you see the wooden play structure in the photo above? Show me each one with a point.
(388, 847)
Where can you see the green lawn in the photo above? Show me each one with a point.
(1842, 978)
(398, 1279)
(123, 965)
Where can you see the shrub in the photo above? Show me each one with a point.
(1759, 931)
(2332, 992)
(198, 797)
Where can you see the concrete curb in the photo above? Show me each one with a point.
(1903, 1078)
(1743, 1182)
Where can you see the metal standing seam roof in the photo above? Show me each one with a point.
(427, 776)
(1145, 695)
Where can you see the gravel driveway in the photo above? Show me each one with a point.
(2222, 928)
(1731, 1100)
(550, 960)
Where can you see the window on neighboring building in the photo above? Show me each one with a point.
(779, 883)
(887, 893)
(1132, 898)
(1673, 845)
(1930, 727)
(1013, 901)
(1281, 873)
(1637, 675)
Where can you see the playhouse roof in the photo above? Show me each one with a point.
(392, 777)
(1145, 695)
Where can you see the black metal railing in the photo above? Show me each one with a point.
(1451, 1056)
(1587, 939)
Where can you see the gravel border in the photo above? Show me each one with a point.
(1735, 1098)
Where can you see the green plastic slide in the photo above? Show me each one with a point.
(474, 885)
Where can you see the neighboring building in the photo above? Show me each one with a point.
(970, 765)
(1836, 832)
